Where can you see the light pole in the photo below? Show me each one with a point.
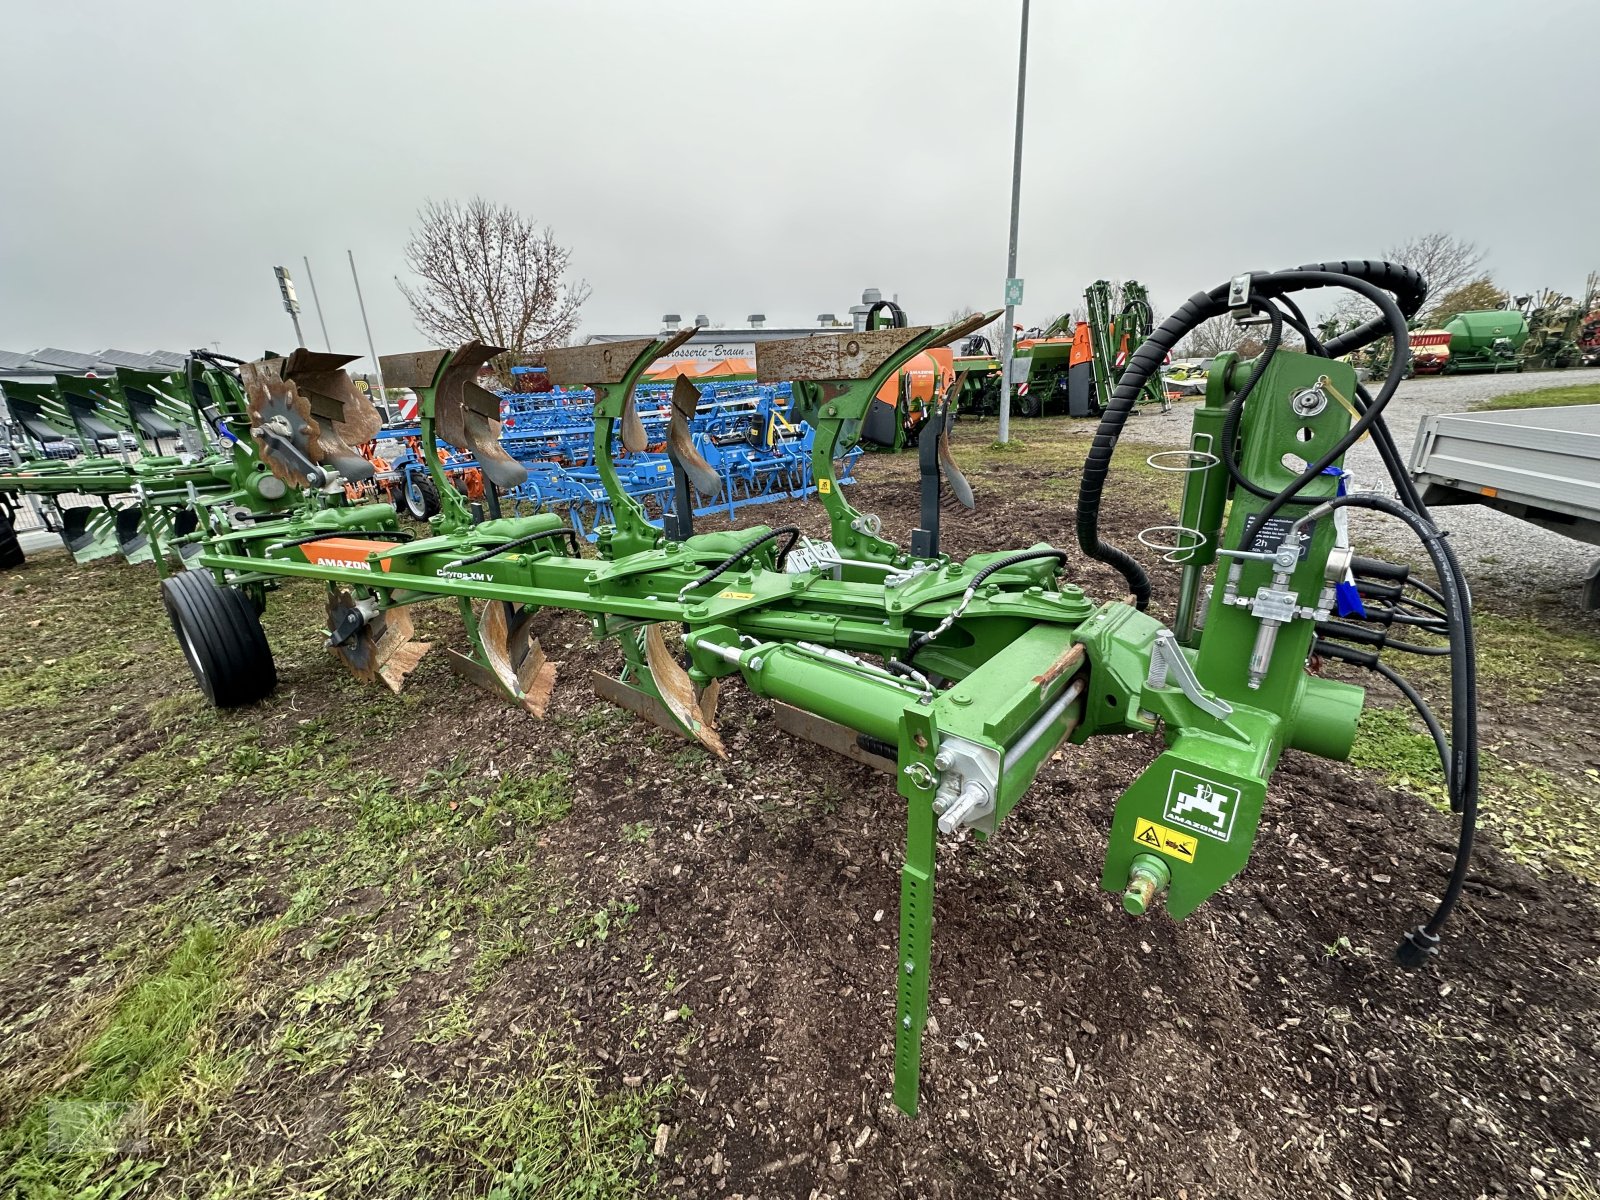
(371, 350)
(316, 302)
(1013, 284)
(290, 304)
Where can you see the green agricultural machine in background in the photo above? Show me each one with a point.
(1115, 338)
(1554, 327)
(958, 678)
(1066, 367)
(186, 464)
(1486, 342)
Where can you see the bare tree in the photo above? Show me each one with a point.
(1216, 336)
(491, 274)
(1222, 334)
(1444, 260)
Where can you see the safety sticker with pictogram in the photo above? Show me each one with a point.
(1203, 805)
(1169, 841)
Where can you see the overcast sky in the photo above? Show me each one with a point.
(768, 156)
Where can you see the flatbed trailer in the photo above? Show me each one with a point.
(1539, 464)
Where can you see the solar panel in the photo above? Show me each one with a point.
(66, 358)
(135, 360)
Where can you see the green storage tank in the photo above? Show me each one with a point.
(1471, 331)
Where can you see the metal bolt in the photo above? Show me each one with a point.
(944, 760)
(755, 663)
(911, 967)
(1308, 402)
(905, 1023)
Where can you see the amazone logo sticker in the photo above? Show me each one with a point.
(1201, 805)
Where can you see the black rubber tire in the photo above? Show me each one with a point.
(11, 555)
(1028, 404)
(420, 496)
(222, 638)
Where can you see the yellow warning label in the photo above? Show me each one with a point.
(1168, 841)
(736, 595)
(824, 486)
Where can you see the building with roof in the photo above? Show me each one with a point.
(724, 352)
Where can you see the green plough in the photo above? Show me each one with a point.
(961, 677)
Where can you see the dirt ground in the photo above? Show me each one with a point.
(463, 950)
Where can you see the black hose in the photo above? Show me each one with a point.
(1230, 421)
(1409, 291)
(514, 543)
(1369, 660)
(1390, 616)
(1196, 310)
(726, 564)
(999, 564)
(216, 357)
(1462, 772)
(1440, 742)
(1374, 637)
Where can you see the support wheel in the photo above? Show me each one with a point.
(222, 638)
(11, 554)
(422, 498)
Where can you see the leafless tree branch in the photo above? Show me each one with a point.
(487, 272)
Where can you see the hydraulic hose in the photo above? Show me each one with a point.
(566, 531)
(1230, 421)
(793, 532)
(1461, 768)
(1000, 564)
(1194, 312)
(1403, 686)
(1409, 291)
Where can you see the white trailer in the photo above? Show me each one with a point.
(1539, 464)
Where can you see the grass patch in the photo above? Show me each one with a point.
(1539, 819)
(1519, 656)
(1583, 393)
(146, 1060)
(450, 798)
(551, 1134)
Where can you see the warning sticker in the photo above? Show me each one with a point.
(824, 486)
(1169, 841)
(1202, 805)
(1269, 535)
(736, 595)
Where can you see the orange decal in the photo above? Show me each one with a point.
(349, 553)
